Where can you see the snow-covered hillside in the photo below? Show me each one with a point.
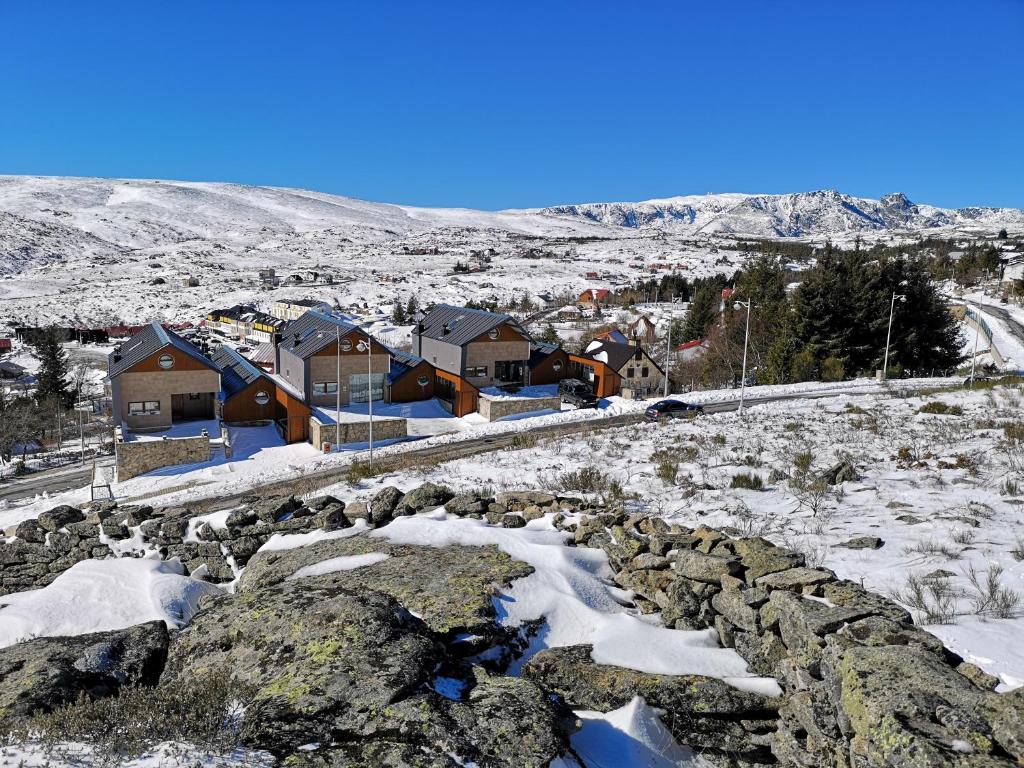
(823, 213)
(106, 251)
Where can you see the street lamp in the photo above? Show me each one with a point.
(749, 305)
(888, 335)
(367, 344)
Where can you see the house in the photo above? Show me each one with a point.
(269, 278)
(549, 363)
(293, 309)
(410, 378)
(594, 297)
(591, 275)
(1013, 268)
(613, 369)
(249, 394)
(690, 350)
(263, 357)
(484, 348)
(158, 379)
(643, 330)
(5, 345)
(613, 334)
(317, 347)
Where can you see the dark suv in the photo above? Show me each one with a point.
(672, 409)
(578, 393)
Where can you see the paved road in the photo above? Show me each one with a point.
(1014, 327)
(64, 480)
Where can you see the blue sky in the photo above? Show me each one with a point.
(515, 104)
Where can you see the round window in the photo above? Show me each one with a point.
(165, 361)
(493, 333)
(346, 345)
(423, 380)
(262, 398)
(557, 365)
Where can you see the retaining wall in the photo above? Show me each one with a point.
(493, 409)
(140, 456)
(355, 431)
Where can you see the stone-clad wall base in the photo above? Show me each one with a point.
(493, 409)
(356, 431)
(141, 456)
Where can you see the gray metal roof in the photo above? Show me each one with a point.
(540, 351)
(618, 354)
(462, 324)
(150, 339)
(236, 373)
(312, 332)
(401, 363)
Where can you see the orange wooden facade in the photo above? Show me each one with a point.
(459, 393)
(243, 407)
(292, 414)
(606, 381)
(544, 372)
(407, 388)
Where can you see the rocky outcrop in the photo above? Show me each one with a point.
(42, 674)
(449, 588)
(355, 670)
(862, 685)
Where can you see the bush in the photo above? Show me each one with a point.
(750, 482)
(587, 479)
(940, 408)
(204, 712)
(832, 369)
(358, 471)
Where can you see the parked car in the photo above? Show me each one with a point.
(578, 393)
(672, 409)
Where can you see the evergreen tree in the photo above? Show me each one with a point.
(1002, 234)
(412, 308)
(703, 311)
(550, 335)
(51, 381)
(398, 316)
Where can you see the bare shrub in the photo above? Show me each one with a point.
(963, 536)
(588, 479)
(933, 601)
(933, 549)
(990, 597)
(748, 481)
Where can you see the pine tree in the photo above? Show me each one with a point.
(398, 316)
(412, 308)
(703, 310)
(550, 335)
(51, 381)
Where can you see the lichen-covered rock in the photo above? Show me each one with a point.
(517, 501)
(468, 504)
(47, 672)
(450, 588)
(706, 568)
(863, 542)
(56, 518)
(849, 594)
(702, 711)
(30, 531)
(1005, 715)
(796, 578)
(760, 557)
(905, 707)
(427, 496)
(382, 507)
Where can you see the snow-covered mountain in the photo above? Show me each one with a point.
(822, 213)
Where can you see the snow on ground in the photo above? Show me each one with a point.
(633, 736)
(569, 590)
(1009, 345)
(99, 595)
(165, 755)
(943, 492)
(281, 541)
(209, 427)
(335, 564)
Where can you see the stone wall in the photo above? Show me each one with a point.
(140, 456)
(355, 431)
(493, 409)
(862, 686)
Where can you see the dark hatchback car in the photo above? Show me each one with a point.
(578, 393)
(672, 409)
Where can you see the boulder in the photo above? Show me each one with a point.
(839, 473)
(701, 711)
(796, 578)
(706, 568)
(760, 557)
(383, 505)
(1005, 716)
(427, 496)
(332, 517)
(47, 672)
(356, 510)
(517, 501)
(450, 588)
(468, 504)
(56, 518)
(30, 531)
(863, 542)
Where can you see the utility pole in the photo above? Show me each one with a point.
(749, 304)
(668, 352)
(977, 332)
(337, 390)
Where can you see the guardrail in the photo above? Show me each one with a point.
(975, 318)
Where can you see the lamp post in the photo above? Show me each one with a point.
(337, 388)
(368, 346)
(749, 305)
(888, 335)
(977, 332)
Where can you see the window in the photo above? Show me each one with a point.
(645, 371)
(476, 371)
(325, 387)
(262, 398)
(422, 380)
(358, 386)
(145, 408)
(346, 345)
(493, 334)
(556, 366)
(630, 373)
(165, 361)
